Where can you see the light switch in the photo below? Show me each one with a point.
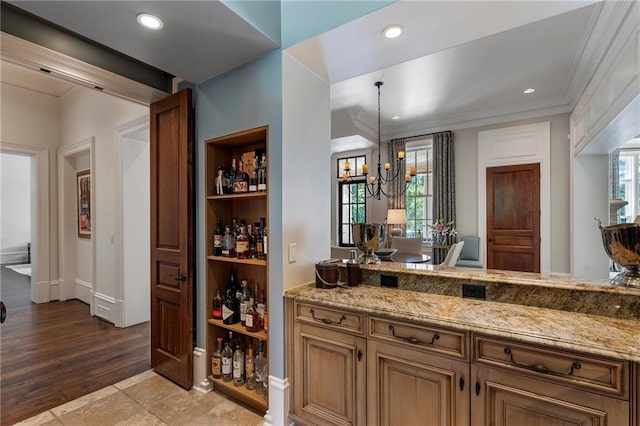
(293, 252)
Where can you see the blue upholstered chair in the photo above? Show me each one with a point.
(470, 255)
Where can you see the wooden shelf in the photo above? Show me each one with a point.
(260, 194)
(239, 328)
(240, 392)
(257, 262)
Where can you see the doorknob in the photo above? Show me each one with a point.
(179, 277)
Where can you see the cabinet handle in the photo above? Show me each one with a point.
(413, 340)
(478, 388)
(327, 320)
(179, 277)
(359, 354)
(461, 383)
(539, 368)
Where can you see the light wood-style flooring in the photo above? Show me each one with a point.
(55, 352)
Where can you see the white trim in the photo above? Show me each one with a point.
(278, 412)
(14, 257)
(40, 218)
(200, 379)
(104, 306)
(82, 291)
(34, 56)
(66, 221)
(54, 290)
(530, 143)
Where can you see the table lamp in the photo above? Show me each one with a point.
(396, 217)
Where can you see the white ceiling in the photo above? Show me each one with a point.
(457, 64)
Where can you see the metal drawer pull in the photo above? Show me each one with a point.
(539, 368)
(327, 320)
(461, 383)
(413, 340)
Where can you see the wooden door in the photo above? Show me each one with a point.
(329, 376)
(507, 399)
(407, 387)
(513, 218)
(172, 238)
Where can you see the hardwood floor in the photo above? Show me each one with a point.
(55, 352)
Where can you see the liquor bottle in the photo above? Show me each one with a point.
(259, 241)
(220, 181)
(228, 243)
(252, 321)
(243, 294)
(265, 321)
(260, 367)
(216, 361)
(253, 177)
(265, 242)
(252, 241)
(218, 234)
(241, 183)
(242, 242)
(230, 309)
(217, 305)
(261, 307)
(262, 174)
(232, 284)
(232, 177)
(227, 355)
(238, 365)
(249, 369)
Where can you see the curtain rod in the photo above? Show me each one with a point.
(419, 136)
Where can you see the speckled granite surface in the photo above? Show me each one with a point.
(553, 291)
(598, 335)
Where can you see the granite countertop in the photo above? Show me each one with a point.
(593, 334)
(555, 280)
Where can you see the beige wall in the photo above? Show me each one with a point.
(466, 152)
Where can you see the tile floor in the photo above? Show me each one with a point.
(147, 399)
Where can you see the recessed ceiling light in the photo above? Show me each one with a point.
(392, 31)
(529, 90)
(149, 21)
(395, 117)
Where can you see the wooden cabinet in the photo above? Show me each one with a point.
(250, 206)
(408, 387)
(520, 384)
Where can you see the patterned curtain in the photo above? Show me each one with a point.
(397, 186)
(444, 184)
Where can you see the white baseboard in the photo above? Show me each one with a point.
(54, 290)
(14, 257)
(200, 380)
(82, 291)
(278, 412)
(104, 307)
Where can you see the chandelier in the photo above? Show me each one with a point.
(375, 186)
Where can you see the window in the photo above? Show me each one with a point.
(352, 210)
(355, 164)
(419, 195)
(629, 173)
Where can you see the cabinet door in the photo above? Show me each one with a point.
(329, 376)
(501, 398)
(407, 387)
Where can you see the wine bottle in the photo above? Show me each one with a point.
(218, 234)
(253, 177)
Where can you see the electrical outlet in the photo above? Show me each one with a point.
(293, 252)
(474, 291)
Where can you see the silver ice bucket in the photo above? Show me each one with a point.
(622, 245)
(368, 237)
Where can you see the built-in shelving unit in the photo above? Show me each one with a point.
(250, 207)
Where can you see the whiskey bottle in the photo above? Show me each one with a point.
(232, 177)
(261, 307)
(238, 365)
(265, 242)
(216, 361)
(252, 321)
(242, 242)
(218, 234)
(253, 176)
(251, 235)
(262, 174)
(241, 183)
(228, 243)
(259, 241)
(227, 355)
(249, 369)
(217, 305)
(260, 367)
(243, 294)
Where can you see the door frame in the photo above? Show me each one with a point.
(134, 126)
(525, 144)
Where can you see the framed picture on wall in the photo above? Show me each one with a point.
(83, 179)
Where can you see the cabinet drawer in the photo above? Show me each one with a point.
(606, 376)
(337, 319)
(421, 337)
